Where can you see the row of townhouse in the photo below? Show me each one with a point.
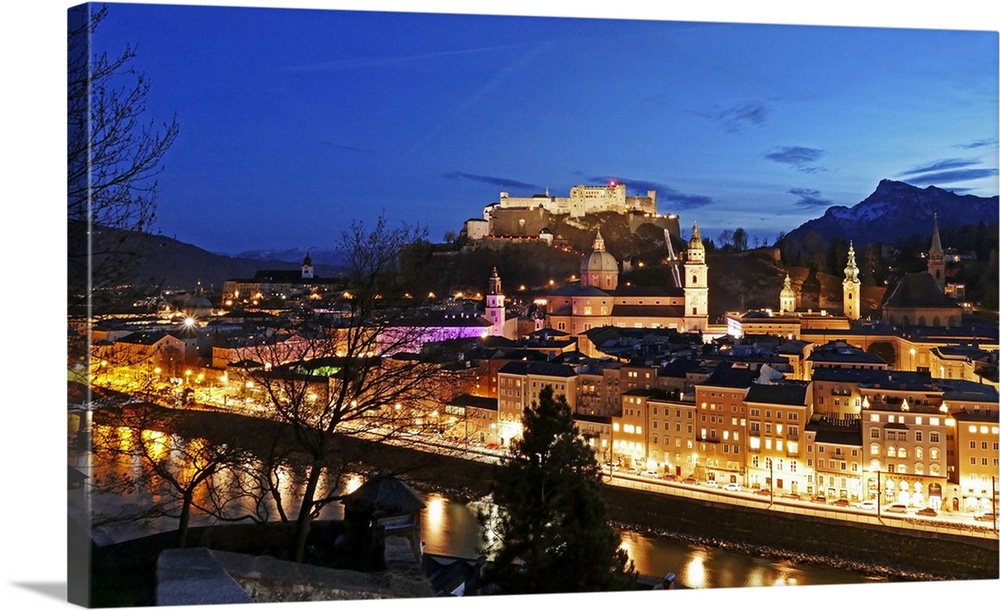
(853, 433)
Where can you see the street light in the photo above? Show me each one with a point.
(770, 463)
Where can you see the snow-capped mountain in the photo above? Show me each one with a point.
(319, 256)
(897, 210)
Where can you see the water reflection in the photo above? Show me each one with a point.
(452, 528)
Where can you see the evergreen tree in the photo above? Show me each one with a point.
(552, 524)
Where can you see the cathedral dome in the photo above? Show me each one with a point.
(599, 268)
(599, 260)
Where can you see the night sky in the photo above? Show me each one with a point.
(295, 122)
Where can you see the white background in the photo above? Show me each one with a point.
(32, 473)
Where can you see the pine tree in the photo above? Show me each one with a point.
(552, 525)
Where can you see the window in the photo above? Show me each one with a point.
(918, 436)
(935, 437)
(876, 433)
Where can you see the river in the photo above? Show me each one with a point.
(451, 528)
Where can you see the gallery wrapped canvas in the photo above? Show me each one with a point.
(400, 305)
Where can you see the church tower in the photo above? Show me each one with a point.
(852, 287)
(935, 257)
(307, 267)
(695, 284)
(495, 308)
(787, 297)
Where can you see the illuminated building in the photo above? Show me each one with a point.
(599, 300)
(720, 440)
(776, 416)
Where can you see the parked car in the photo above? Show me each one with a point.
(895, 508)
(867, 505)
(763, 491)
(927, 511)
(841, 502)
(650, 473)
(731, 487)
(690, 481)
(710, 484)
(793, 496)
(987, 516)
(669, 477)
(819, 499)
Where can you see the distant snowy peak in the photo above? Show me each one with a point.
(319, 256)
(897, 210)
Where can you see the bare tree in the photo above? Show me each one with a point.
(146, 449)
(113, 157)
(362, 369)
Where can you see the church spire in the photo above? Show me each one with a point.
(598, 242)
(936, 237)
(935, 256)
(786, 299)
(851, 270)
(695, 237)
(852, 287)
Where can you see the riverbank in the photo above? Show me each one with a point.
(876, 552)
(870, 550)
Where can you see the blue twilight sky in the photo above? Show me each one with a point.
(295, 122)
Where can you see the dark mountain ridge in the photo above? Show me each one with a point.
(897, 210)
(166, 263)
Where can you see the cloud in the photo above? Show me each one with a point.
(947, 177)
(947, 171)
(978, 144)
(675, 200)
(799, 157)
(671, 198)
(810, 198)
(734, 118)
(937, 166)
(494, 180)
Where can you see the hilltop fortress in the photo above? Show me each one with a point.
(534, 216)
